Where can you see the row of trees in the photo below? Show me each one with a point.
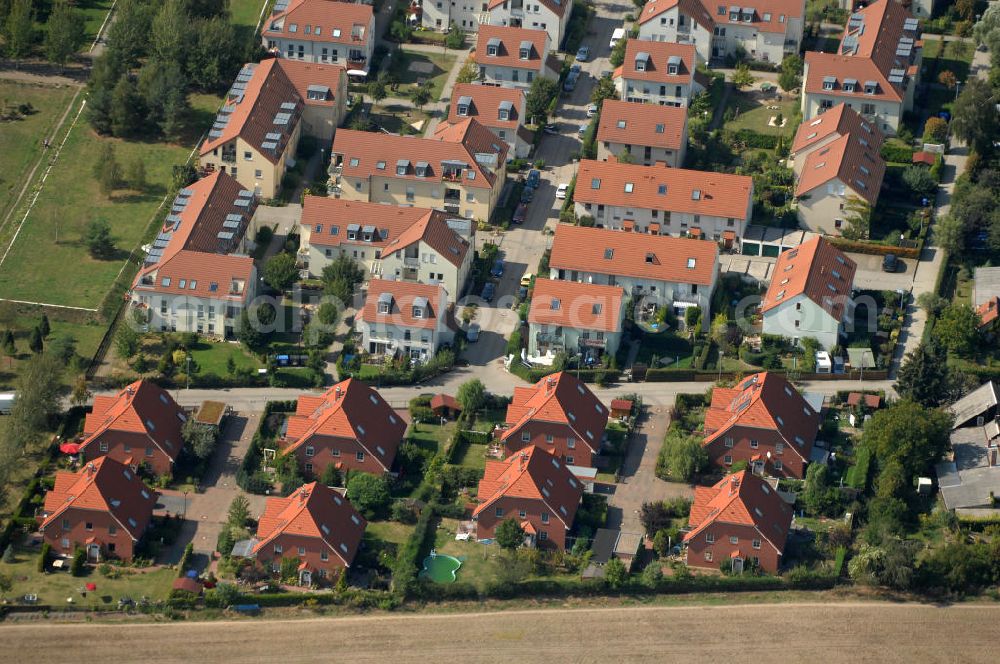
(61, 37)
(154, 55)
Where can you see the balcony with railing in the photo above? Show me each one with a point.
(228, 155)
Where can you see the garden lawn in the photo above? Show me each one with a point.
(48, 262)
(472, 455)
(399, 119)
(53, 588)
(246, 12)
(389, 531)
(213, 357)
(479, 562)
(664, 344)
(431, 437)
(754, 114)
(434, 80)
(21, 140)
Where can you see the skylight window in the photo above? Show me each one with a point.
(691, 262)
(609, 254)
(621, 124)
(629, 187)
(595, 183)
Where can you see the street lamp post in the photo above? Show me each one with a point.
(185, 504)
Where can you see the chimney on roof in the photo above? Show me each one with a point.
(337, 394)
(549, 384)
(130, 390)
(91, 467)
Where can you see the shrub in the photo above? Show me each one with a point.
(79, 561)
(935, 130)
(43, 556)
(185, 559)
(899, 154)
(368, 493)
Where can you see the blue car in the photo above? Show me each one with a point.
(534, 178)
(497, 270)
(583, 53)
(488, 291)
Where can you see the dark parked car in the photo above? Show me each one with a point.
(890, 263)
(551, 129)
(521, 213)
(534, 178)
(488, 291)
(497, 270)
(527, 195)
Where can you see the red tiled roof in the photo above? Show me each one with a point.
(643, 124)
(534, 474)
(509, 53)
(821, 65)
(691, 8)
(621, 404)
(637, 255)
(485, 107)
(847, 159)
(328, 219)
(325, 15)
(684, 191)
(838, 121)
(741, 499)
(988, 311)
(453, 143)
(352, 410)
(208, 208)
(102, 485)
(313, 510)
(403, 294)
(561, 398)
(576, 305)
(656, 66)
(764, 401)
(816, 269)
(142, 407)
(870, 400)
(445, 401)
(780, 12)
(921, 157)
(253, 112)
(303, 74)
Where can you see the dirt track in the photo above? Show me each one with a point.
(820, 633)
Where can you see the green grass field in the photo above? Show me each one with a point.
(21, 140)
(53, 588)
(435, 79)
(213, 357)
(94, 13)
(755, 115)
(246, 12)
(48, 262)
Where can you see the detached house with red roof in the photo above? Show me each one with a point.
(197, 275)
(408, 244)
(650, 134)
(501, 110)
(741, 520)
(269, 106)
(405, 318)
(767, 31)
(535, 489)
(460, 170)
(558, 414)
(140, 425)
(514, 57)
(875, 70)
(763, 421)
(657, 73)
(104, 509)
(665, 201)
(575, 317)
(316, 526)
(321, 32)
(810, 293)
(551, 16)
(677, 272)
(350, 425)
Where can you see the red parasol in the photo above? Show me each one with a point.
(69, 448)
(91, 587)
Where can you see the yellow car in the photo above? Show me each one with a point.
(526, 280)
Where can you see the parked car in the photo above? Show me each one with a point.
(497, 270)
(472, 334)
(489, 290)
(522, 294)
(551, 129)
(570, 83)
(534, 178)
(520, 214)
(582, 130)
(583, 53)
(890, 263)
(527, 195)
(561, 190)
(592, 110)
(575, 69)
(616, 36)
(526, 279)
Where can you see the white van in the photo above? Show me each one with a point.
(617, 36)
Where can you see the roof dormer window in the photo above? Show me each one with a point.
(691, 262)
(524, 52)
(418, 312)
(850, 84)
(871, 87)
(493, 47)
(696, 195)
(384, 303)
(422, 169)
(661, 128)
(506, 110)
(829, 82)
(402, 166)
(596, 309)
(673, 65)
(641, 61)
(464, 104)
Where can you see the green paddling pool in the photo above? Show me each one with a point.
(440, 568)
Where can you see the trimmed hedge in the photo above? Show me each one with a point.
(897, 153)
(753, 139)
(873, 248)
(668, 375)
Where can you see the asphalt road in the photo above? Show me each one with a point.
(793, 632)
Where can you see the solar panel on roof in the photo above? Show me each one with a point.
(225, 235)
(288, 105)
(232, 216)
(160, 244)
(282, 118)
(272, 136)
(215, 133)
(241, 202)
(229, 223)
(245, 193)
(185, 193)
(269, 145)
(173, 218)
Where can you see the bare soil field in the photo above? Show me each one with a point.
(793, 632)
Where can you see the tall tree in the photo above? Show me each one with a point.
(103, 76)
(126, 109)
(36, 342)
(128, 36)
(169, 35)
(859, 218)
(974, 116)
(742, 78)
(921, 377)
(280, 271)
(44, 326)
(64, 32)
(19, 29)
(98, 239)
(791, 72)
(214, 55)
(509, 534)
(907, 433)
(957, 328)
(472, 395)
(162, 86)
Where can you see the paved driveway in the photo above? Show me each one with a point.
(871, 277)
(207, 511)
(639, 483)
